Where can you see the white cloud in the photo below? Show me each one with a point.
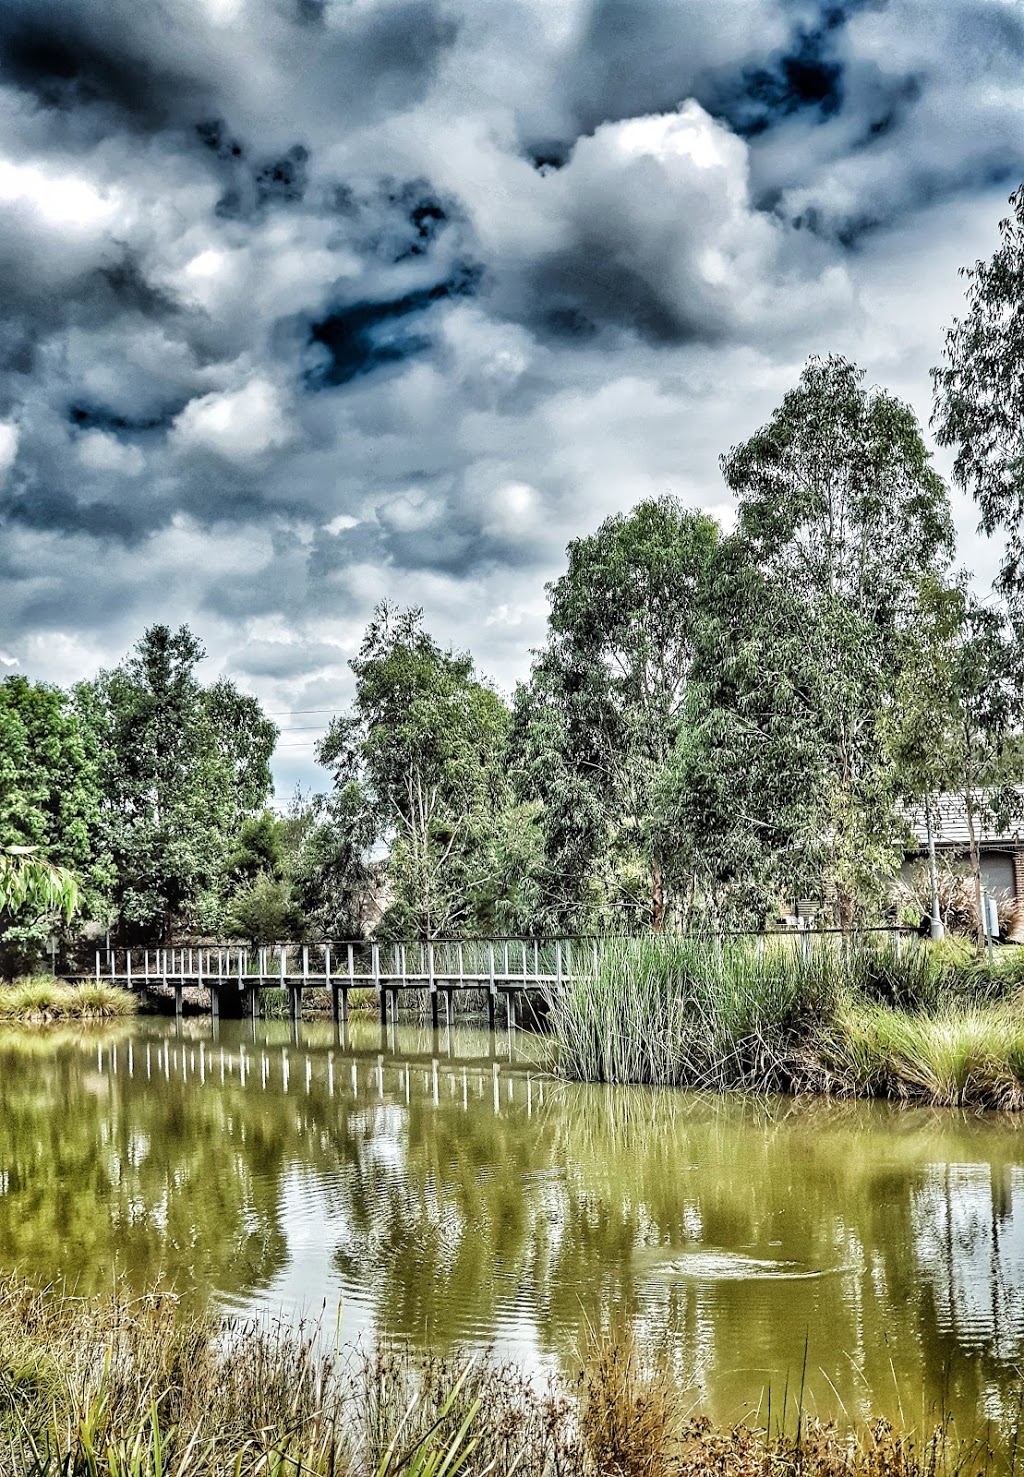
(237, 424)
(101, 452)
(9, 438)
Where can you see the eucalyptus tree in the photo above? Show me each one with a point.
(419, 767)
(957, 713)
(596, 725)
(979, 393)
(783, 773)
(182, 766)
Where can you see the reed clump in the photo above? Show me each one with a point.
(901, 1019)
(137, 1387)
(43, 998)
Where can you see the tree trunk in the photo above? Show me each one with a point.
(657, 896)
(976, 873)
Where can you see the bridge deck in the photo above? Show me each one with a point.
(509, 968)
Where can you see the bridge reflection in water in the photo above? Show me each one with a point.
(444, 1188)
(457, 1060)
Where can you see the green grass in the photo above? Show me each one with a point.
(968, 1055)
(901, 1019)
(43, 998)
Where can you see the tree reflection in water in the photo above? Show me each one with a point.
(450, 1196)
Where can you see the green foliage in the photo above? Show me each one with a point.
(263, 911)
(596, 725)
(34, 896)
(49, 804)
(781, 778)
(979, 392)
(259, 848)
(418, 763)
(788, 1013)
(334, 882)
(182, 767)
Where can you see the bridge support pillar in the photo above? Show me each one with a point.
(492, 1008)
(295, 1002)
(178, 999)
(214, 1001)
(382, 999)
(433, 1007)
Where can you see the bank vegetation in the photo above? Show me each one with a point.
(873, 1017)
(137, 1387)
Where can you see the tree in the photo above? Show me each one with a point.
(183, 766)
(979, 393)
(597, 723)
(34, 894)
(783, 771)
(49, 807)
(417, 764)
(336, 884)
(957, 709)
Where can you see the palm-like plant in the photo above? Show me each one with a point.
(33, 891)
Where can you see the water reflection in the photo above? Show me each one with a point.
(445, 1189)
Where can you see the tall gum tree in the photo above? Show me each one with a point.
(979, 394)
(957, 711)
(840, 517)
(598, 720)
(419, 766)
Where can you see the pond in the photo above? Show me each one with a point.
(445, 1189)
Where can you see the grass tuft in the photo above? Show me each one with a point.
(43, 998)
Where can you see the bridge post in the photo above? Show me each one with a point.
(381, 998)
(433, 985)
(214, 1001)
(491, 991)
(178, 999)
(128, 966)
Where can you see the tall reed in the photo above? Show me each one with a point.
(871, 1017)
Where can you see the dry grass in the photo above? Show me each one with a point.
(122, 1387)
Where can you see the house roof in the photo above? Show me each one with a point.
(949, 822)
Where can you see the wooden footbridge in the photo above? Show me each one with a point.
(524, 973)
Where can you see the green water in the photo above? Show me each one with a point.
(448, 1191)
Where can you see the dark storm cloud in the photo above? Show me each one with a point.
(361, 337)
(75, 57)
(309, 302)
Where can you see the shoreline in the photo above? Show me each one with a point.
(120, 1383)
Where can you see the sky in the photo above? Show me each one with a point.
(313, 303)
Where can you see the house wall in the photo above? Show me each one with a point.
(1002, 868)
